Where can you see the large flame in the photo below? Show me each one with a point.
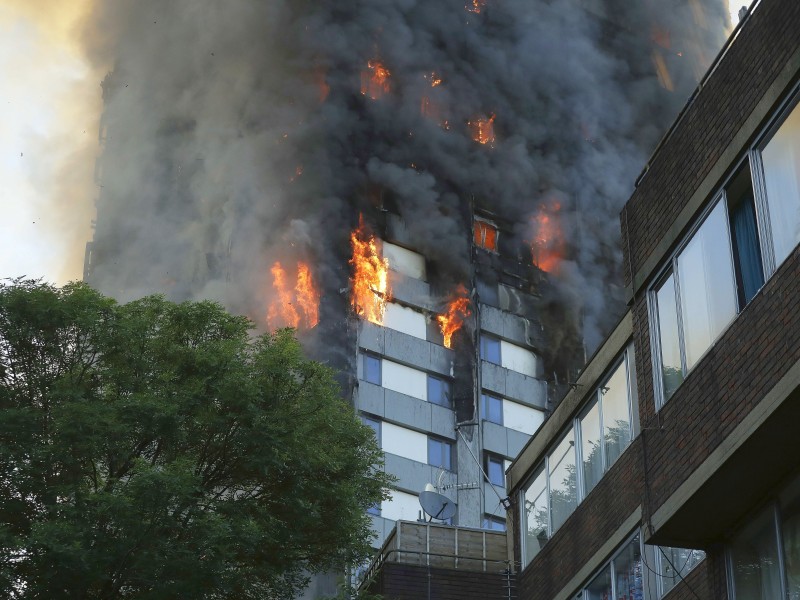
(482, 130)
(453, 319)
(547, 245)
(370, 281)
(375, 80)
(298, 307)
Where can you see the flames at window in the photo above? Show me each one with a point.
(296, 306)
(370, 281)
(481, 130)
(475, 6)
(458, 309)
(375, 80)
(548, 243)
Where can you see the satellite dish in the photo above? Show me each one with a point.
(436, 505)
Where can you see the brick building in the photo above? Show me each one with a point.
(671, 469)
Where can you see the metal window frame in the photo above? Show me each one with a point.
(370, 356)
(485, 413)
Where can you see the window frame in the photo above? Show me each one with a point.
(447, 383)
(493, 519)
(491, 457)
(479, 237)
(450, 453)
(483, 352)
(751, 159)
(485, 413)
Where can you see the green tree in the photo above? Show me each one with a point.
(158, 450)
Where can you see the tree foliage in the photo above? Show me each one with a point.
(158, 450)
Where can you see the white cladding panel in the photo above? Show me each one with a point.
(404, 442)
(518, 359)
(405, 320)
(405, 380)
(521, 418)
(400, 506)
(404, 261)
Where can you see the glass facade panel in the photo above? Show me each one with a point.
(563, 488)
(439, 391)
(754, 560)
(628, 583)
(600, 587)
(675, 563)
(492, 408)
(708, 295)
(616, 414)
(671, 370)
(372, 369)
(781, 158)
(534, 515)
(591, 447)
(790, 534)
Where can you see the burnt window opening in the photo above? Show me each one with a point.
(485, 235)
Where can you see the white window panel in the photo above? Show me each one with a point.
(521, 418)
(404, 261)
(400, 506)
(518, 359)
(405, 320)
(405, 380)
(404, 442)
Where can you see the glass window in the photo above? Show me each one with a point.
(372, 369)
(439, 453)
(790, 534)
(534, 515)
(375, 509)
(591, 447)
(671, 370)
(616, 414)
(494, 523)
(707, 292)
(674, 564)
(754, 560)
(495, 469)
(600, 586)
(781, 159)
(374, 424)
(490, 349)
(744, 236)
(628, 583)
(439, 391)
(486, 235)
(563, 489)
(492, 408)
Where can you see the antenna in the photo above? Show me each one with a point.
(436, 505)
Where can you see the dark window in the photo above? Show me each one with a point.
(492, 408)
(490, 349)
(439, 453)
(374, 424)
(495, 469)
(744, 237)
(494, 523)
(440, 391)
(372, 369)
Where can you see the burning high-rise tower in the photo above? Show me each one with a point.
(427, 190)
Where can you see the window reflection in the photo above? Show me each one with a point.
(671, 370)
(616, 416)
(754, 553)
(781, 159)
(591, 447)
(563, 484)
(535, 515)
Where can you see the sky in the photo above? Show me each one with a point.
(49, 114)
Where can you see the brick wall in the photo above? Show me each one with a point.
(759, 347)
(601, 513)
(411, 582)
(708, 127)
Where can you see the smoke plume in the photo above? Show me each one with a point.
(243, 132)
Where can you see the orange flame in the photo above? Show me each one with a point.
(547, 246)
(475, 6)
(453, 319)
(293, 308)
(375, 80)
(482, 130)
(370, 280)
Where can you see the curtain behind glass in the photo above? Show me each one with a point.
(781, 158)
(748, 253)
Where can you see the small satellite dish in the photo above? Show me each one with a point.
(436, 505)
